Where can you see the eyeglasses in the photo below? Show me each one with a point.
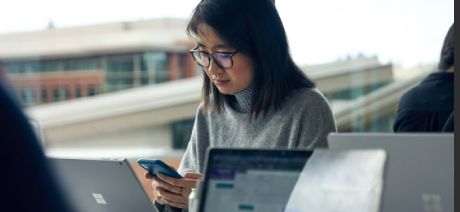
(222, 59)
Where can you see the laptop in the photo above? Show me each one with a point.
(105, 185)
(237, 179)
(279, 180)
(419, 172)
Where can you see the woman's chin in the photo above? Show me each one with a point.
(226, 91)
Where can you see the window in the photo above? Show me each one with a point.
(92, 91)
(65, 93)
(155, 64)
(15, 68)
(78, 92)
(181, 133)
(28, 96)
(44, 96)
(355, 92)
(119, 73)
(32, 67)
(81, 64)
(56, 96)
(49, 66)
(28, 67)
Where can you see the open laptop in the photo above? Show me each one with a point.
(250, 180)
(106, 185)
(259, 180)
(419, 172)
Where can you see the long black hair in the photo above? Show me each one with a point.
(448, 51)
(255, 27)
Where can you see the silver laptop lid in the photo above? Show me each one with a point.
(420, 168)
(101, 185)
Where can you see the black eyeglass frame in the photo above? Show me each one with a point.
(211, 56)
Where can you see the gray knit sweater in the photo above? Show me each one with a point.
(304, 121)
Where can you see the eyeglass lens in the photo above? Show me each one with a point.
(222, 59)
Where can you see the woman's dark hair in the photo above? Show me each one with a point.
(448, 51)
(255, 28)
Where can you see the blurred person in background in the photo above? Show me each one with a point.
(450, 124)
(26, 182)
(427, 107)
(254, 95)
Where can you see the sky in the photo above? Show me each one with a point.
(404, 32)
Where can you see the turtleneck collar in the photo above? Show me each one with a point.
(243, 100)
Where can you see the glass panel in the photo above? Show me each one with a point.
(181, 132)
(15, 68)
(44, 96)
(119, 73)
(65, 93)
(28, 96)
(56, 95)
(78, 92)
(81, 64)
(49, 66)
(155, 64)
(92, 91)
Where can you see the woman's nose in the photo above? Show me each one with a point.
(214, 69)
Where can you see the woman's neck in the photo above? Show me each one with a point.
(243, 100)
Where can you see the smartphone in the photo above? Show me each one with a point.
(157, 166)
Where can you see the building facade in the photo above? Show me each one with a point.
(56, 65)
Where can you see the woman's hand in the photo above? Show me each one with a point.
(173, 191)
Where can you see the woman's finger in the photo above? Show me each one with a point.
(157, 195)
(169, 197)
(186, 183)
(148, 176)
(168, 186)
(192, 175)
(159, 199)
(173, 189)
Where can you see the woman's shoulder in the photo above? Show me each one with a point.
(307, 100)
(310, 96)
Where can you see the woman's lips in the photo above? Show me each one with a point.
(221, 82)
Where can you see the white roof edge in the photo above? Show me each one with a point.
(118, 103)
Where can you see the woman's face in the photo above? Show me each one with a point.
(228, 81)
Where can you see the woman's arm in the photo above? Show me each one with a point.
(317, 123)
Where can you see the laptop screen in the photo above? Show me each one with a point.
(236, 180)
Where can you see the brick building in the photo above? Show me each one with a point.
(55, 65)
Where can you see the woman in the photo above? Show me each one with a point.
(254, 96)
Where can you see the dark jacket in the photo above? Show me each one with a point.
(450, 124)
(427, 107)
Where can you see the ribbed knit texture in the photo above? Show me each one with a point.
(243, 100)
